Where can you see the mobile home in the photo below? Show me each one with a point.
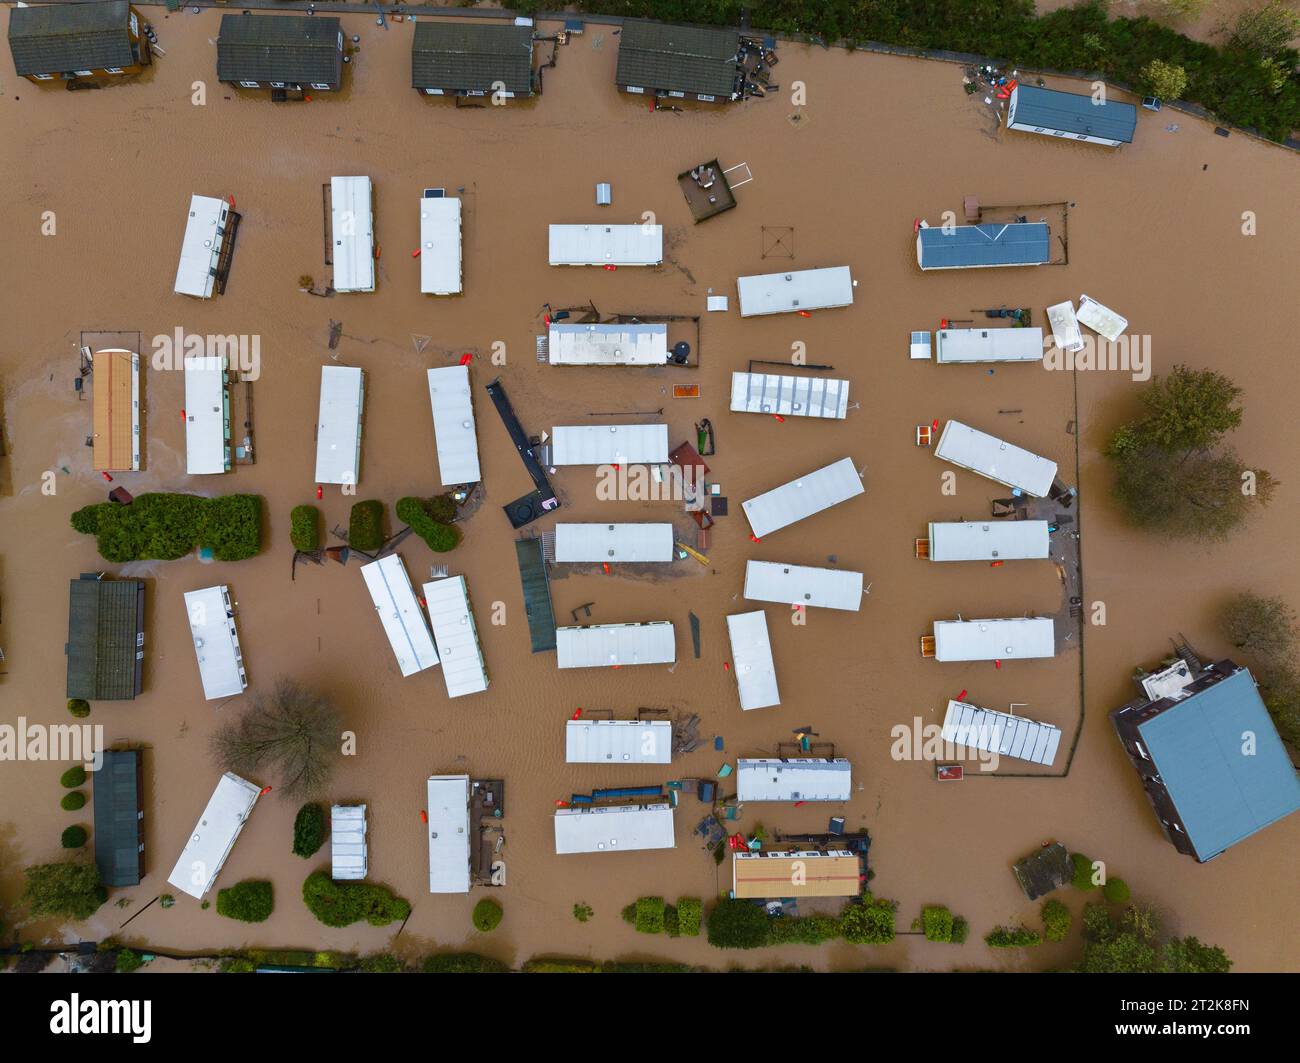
(464, 59)
(1071, 115)
(206, 232)
(994, 540)
(338, 429)
(606, 245)
(978, 246)
(449, 833)
(618, 742)
(826, 588)
(796, 779)
(976, 345)
(1065, 326)
(610, 344)
(207, 416)
(352, 234)
(790, 396)
(214, 835)
(440, 250)
(400, 615)
(999, 732)
(349, 854)
(611, 828)
(456, 636)
(51, 42)
(1019, 638)
(812, 873)
(1001, 462)
(117, 788)
(613, 543)
(1101, 319)
(792, 502)
(216, 642)
(751, 660)
(453, 425)
(679, 62)
(615, 645)
(610, 444)
(116, 411)
(281, 52)
(799, 290)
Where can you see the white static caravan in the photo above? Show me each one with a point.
(611, 344)
(207, 416)
(338, 425)
(994, 540)
(440, 252)
(790, 396)
(453, 425)
(610, 444)
(216, 642)
(399, 613)
(1065, 326)
(449, 835)
(972, 346)
(201, 247)
(1000, 732)
(1001, 462)
(214, 835)
(463, 668)
(615, 645)
(1101, 319)
(613, 543)
(349, 854)
(784, 505)
(788, 293)
(796, 779)
(825, 588)
(607, 245)
(1020, 638)
(352, 231)
(751, 660)
(618, 742)
(610, 828)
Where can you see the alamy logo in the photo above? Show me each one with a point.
(651, 483)
(241, 353)
(77, 1016)
(61, 741)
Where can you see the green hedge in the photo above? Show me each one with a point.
(304, 528)
(366, 526)
(163, 527)
(308, 830)
(428, 518)
(737, 924)
(345, 903)
(1056, 920)
(1007, 937)
(649, 917)
(869, 920)
(936, 922)
(689, 915)
(73, 801)
(462, 963)
(561, 966)
(487, 915)
(127, 960)
(250, 901)
(73, 837)
(72, 778)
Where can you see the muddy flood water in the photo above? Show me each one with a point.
(1154, 231)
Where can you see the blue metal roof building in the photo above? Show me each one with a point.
(973, 246)
(1071, 116)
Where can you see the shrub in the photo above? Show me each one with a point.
(582, 912)
(960, 930)
(162, 526)
(487, 915)
(250, 901)
(1056, 920)
(462, 963)
(1164, 80)
(366, 526)
(869, 920)
(1082, 872)
(237, 965)
(650, 915)
(804, 930)
(689, 912)
(628, 913)
(86, 520)
(1116, 891)
(308, 830)
(381, 963)
(79, 707)
(418, 513)
(232, 527)
(936, 922)
(1006, 937)
(128, 960)
(671, 926)
(561, 966)
(345, 903)
(72, 778)
(737, 924)
(71, 889)
(73, 801)
(304, 528)
(73, 837)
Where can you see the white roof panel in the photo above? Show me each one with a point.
(440, 246)
(207, 417)
(970, 345)
(613, 827)
(201, 246)
(453, 425)
(993, 540)
(618, 742)
(828, 588)
(338, 425)
(805, 289)
(349, 855)
(352, 230)
(606, 645)
(456, 636)
(613, 542)
(751, 660)
(790, 396)
(607, 245)
(1000, 461)
(216, 642)
(821, 489)
(994, 640)
(214, 835)
(399, 612)
(806, 779)
(449, 833)
(608, 344)
(610, 444)
(1101, 319)
(1065, 326)
(1009, 736)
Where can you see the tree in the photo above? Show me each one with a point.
(869, 920)
(1189, 956)
(1280, 689)
(649, 915)
(1166, 81)
(1116, 891)
(689, 911)
(487, 915)
(250, 901)
(737, 924)
(936, 923)
(344, 903)
(1129, 943)
(73, 837)
(1190, 409)
(1266, 31)
(308, 830)
(1056, 920)
(291, 734)
(429, 518)
(1265, 628)
(366, 526)
(71, 889)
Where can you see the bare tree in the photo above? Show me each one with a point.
(291, 734)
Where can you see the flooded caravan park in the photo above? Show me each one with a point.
(1155, 231)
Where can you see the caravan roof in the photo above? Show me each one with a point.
(456, 636)
(618, 742)
(207, 416)
(609, 828)
(802, 289)
(829, 588)
(821, 489)
(995, 244)
(201, 246)
(348, 850)
(613, 344)
(1000, 461)
(605, 645)
(610, 444)
(801, 779)
(1005, 540)
(1065, 326)
(338, 426)
(399, 613)
(784, 874)
(352, 230)
(994, 640)
(449, 840)
(607, 245)
(214, 835)
(1101, 319)
(790, 396)
(1000, 732)
(973, 345)
(116, 411)
(453, 425)
(440, 245)
(216, 642)
(613, 542)
(751, 660)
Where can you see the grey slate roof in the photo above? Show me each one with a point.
(691, 59)
(104, 619)
(1041, 872)
(295, 49)
(67, 37)
(467, 57)
(118, 827)
(999, 244)
(537, 594)
(1072, 113)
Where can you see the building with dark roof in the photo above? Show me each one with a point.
(105, 647)
(70, 41)
(295, 52)
(1071, 116)
(119, 817)
(975, 246)
(1209, 757)
(683, 62)
(472, 59)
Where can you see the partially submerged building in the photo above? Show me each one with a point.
(807, 873)
(802, 290)
(214, 835)
(1071, 115)
(607, 344)
(207, 415)
(1000, 732)
(613, 543)
(613, 828)
(70, 41)
(1046, 870)
(606, 245)
(1001, 462)
(803, 585)
(118, 790)
(456, 636)
(609, 444)
(449, 833)
(970, 346)
(801, 498)
(472, 59)
(352, 233)
(1065, 326)
(751, 660)
(400, 614)
(453, 425)
(990, 244)
(531, 557)
(991, 540)
(338, 426)
(294, 52)
(615, 645)
(679, 62)
(790, 396)
(206, 247)
(349, 851)
(105, 647)
(1101, 319)
(793, 779)
(1018, 638)
(116, 411)
(216, 642)
(440, 243)
(618, 742)
(1209, 756)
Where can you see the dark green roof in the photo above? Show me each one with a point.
(1048, 869)
(105, 631)
(537, 594)
(466, 57)
(295, 49)
(119, 830)
(66, 37)
(692, 59)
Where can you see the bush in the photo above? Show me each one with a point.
(582, 912)
(304, 528)
(1163, 80)
(308, 830)
(960, 930)
(250, 901)
(649, 915)
(737, 924)
(561, 966)
(72, 778)
(128, 960)
(366, 526)
(1082, 872)
(418, 513)
(487, 915)
(73, 801)
(1116, 891)
(1056, 920)
(161, 526)
(804, 930)
(79, 707)
(345, 903)
(462, 963)
(73, 837)
(381, 963)
(86, 520)
(237, 965)
(689, 913)
(1006, 937)
(869, 921)
(936, 923)
(71, 889)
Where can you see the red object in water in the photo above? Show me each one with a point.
(307, 99)
(466, 358)
(916, 226)
(798, 803)
(106, 477)
(415, 253)
(616, 666)
(754, 538)
(231, 201)
(996, 564)
(950, 773)
(264, 791)
(935, 425)
(726, 666)
(561, 804)
(320, 492)
(422, 602)
(617, 468)
(182, 413)
(804, 313)
(605, 566)
(546, 318)
(961, 696)
(779, 418)
(378, 250)
(943, 322)
(997, 664)
(610, 266)
(577, 713)
(424, 815)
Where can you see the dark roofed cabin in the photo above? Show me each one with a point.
(70, 41)
(105, 648)
(682, 62)
(295, 52)
(458, 59)
(119, 817)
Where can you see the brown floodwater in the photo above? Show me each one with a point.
(1154, 231)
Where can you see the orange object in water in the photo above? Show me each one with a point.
(106, 477)
(307, 99)
(798, 803)
(424, 815)
(804, 313)
(378, 250)
(264, 791)
(605, 566)
(935, 424)
(231, 201)
(916, 226)
(610, 266)
(320, 492)
(182, 413)
(561, 804)
(779, 418)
